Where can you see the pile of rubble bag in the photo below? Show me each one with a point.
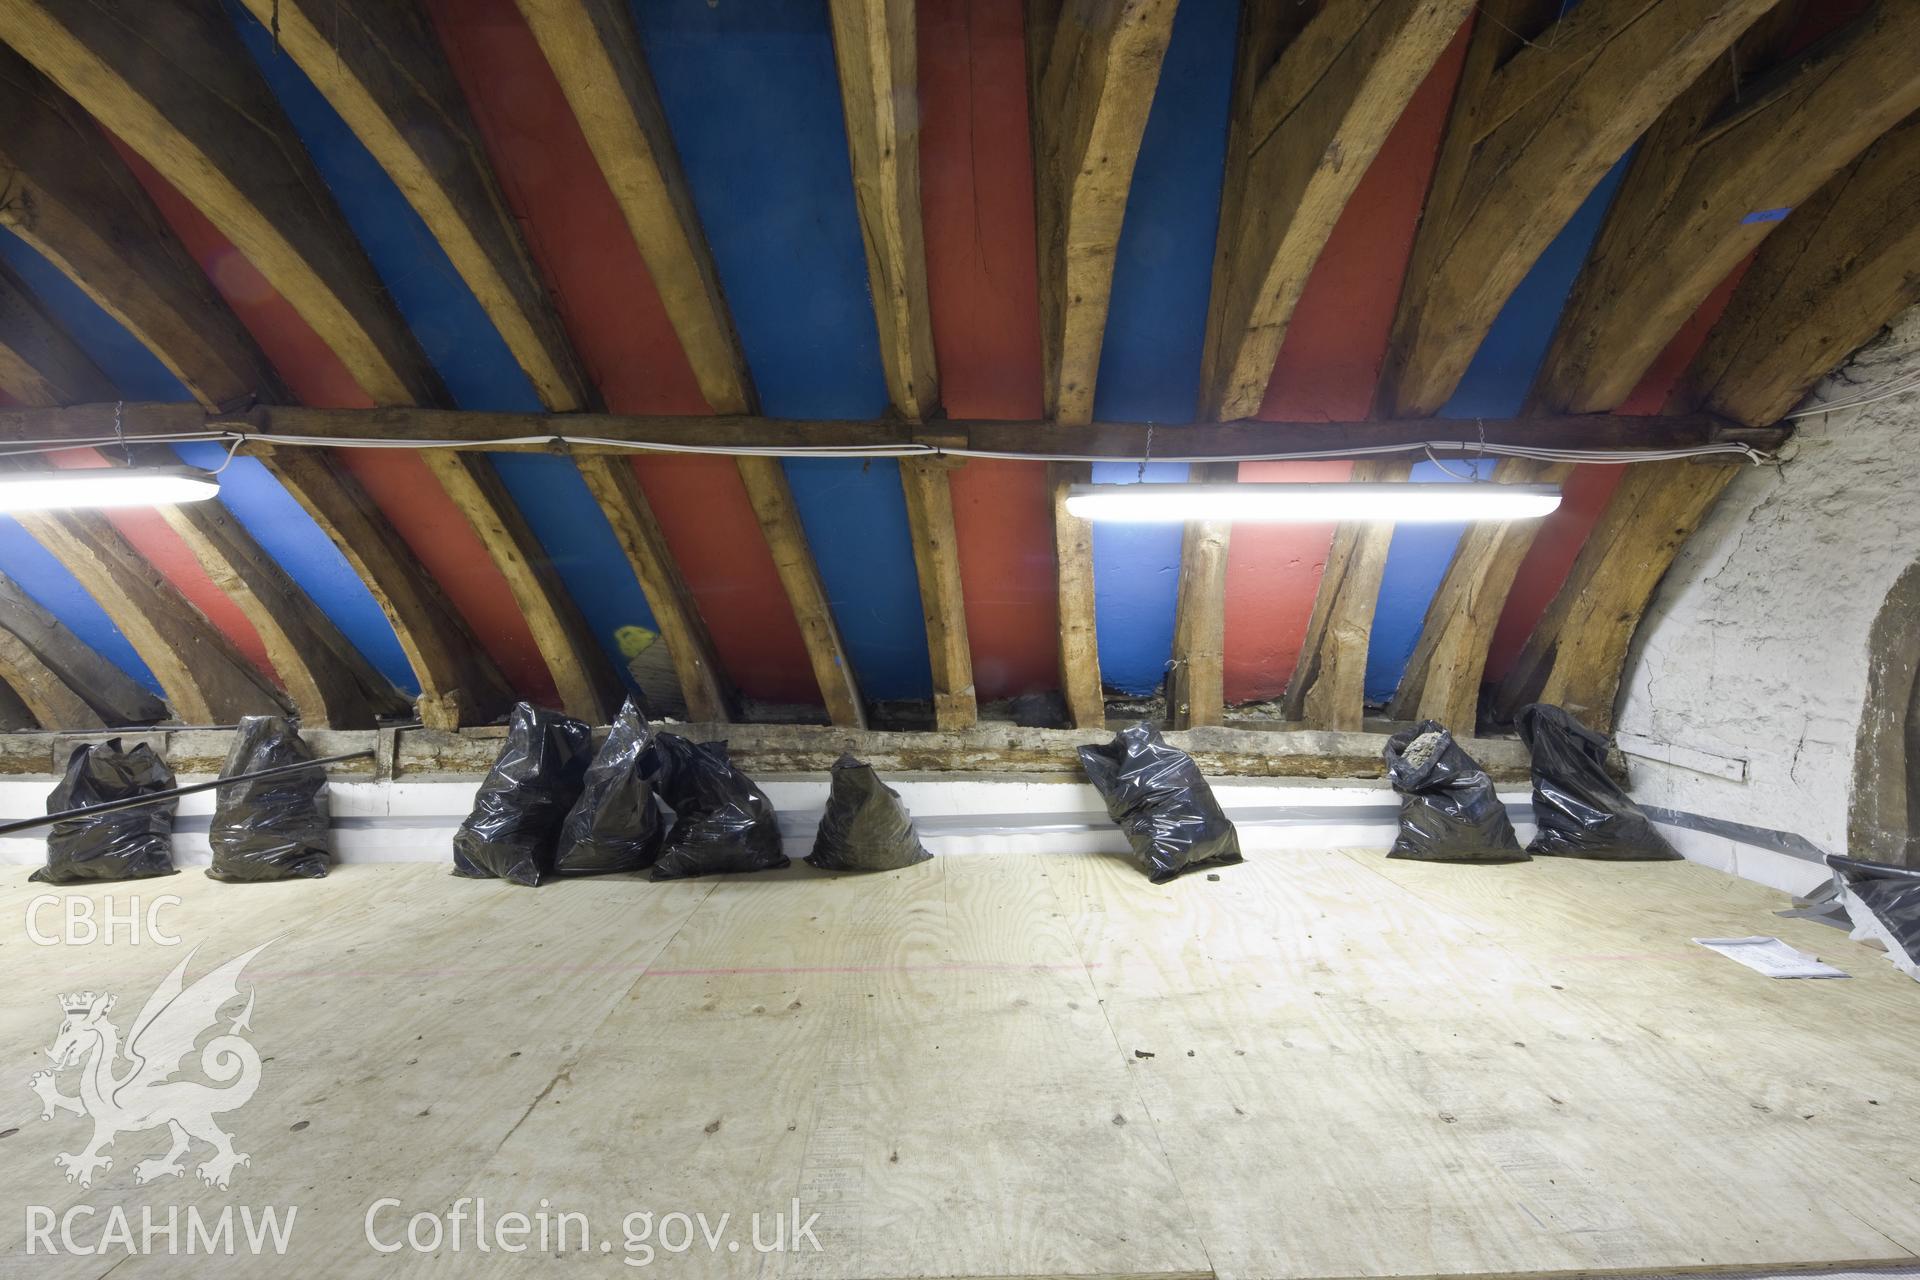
(1449, 811)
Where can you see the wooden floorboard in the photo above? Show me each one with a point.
(1323, 1064)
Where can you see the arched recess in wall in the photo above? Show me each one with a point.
(1883, 818)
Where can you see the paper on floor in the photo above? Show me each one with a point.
(1772, 957)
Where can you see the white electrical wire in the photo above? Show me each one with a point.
(237, 440)
(1899, 387)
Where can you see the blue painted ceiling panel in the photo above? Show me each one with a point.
(1163, 270)
(856, 520)
(60, 593)
(1156, 327)
(464, 346)
(1136, 581)
(753, 96)
(1417, 559)
(1495, 386)
(136, 373)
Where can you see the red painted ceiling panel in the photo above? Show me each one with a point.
(613, 313)
(976, 195)
(1326, 372)
(398, 481)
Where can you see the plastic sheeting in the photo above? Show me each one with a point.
(865, 827)
(1448, 809)
(269, 828)
(130, 844)
(514, 828)
(722, 823)
(1158, 796)
(616, 825)
(1580, 810)
(1883, 902)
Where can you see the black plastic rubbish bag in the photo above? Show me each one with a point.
(515, 824)
(1581, 810)
(1448, 809)
(721, 821)
(129, 844)
(270, 828)
(1883, 902)
(1163, 804)
(864, 827)
(616, 824)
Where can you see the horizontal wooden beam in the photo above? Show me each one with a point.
(591, 433)
(768, 750)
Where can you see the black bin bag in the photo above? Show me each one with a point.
(1163, 804)
(1581, 810)
(1883, 902)
(721, 821)
(130, 844)
(515, 824)
(270, 828)
(1448, 809)
(865, 826)
(616, 824)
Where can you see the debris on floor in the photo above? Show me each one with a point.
(1771, 957)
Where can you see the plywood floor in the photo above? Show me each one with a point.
(1320, 1065)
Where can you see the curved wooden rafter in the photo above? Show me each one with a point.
(595, 54)
(1536, 124)
(56, 665)
(173, 81)
(1704, 191)
(206, 679)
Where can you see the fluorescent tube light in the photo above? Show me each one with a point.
(84, 488)
(1436, 502)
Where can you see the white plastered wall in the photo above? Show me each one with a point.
(1750, 670)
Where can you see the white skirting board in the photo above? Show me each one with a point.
(415, 821)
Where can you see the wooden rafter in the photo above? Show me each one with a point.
(773, 505)
(379, 65)
(202, 673)
(1536, 123)
(1705, 190)
(1845, 263)
(459, 684)
(41, 691)
(582, 672)
(1575, 654)
(874, 46)
(111, 696)
(1443, 677)
(1310, 114)
(172, 79)
(1094, 66)
(703, 681)
(1196, 678)
(70, 197)
(936, 558)
(1079, 638)
(595, 54)
(1328, 689)
(873, 43)
(76, 203)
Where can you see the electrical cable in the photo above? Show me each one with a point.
(237, 440)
